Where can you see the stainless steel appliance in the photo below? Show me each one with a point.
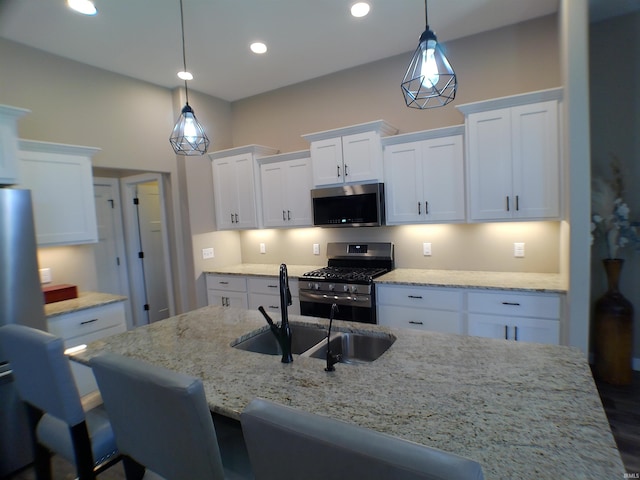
(347, 281)
(349, 206)
(21, 301)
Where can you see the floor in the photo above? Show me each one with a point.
(621, 404)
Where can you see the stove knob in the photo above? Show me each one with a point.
(354, 288)
(345, 288)
(317, 286)
(332, 287)
(310, 286)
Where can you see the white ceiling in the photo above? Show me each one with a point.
(306, 38)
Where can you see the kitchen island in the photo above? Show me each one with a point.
(521, 410)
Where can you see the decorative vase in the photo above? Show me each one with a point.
(613, 330)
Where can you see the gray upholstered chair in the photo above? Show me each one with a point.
(286, 443)
(57, 420)
(160, 418)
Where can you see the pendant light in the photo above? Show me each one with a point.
(188, 137)
(430, 81)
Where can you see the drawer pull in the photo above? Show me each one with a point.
(273, 306)
(514, 304)
(419, 297)
(89, 321)
(223, 283)
(272, 286)
(506, 332)
(516, 334)
(413, 322)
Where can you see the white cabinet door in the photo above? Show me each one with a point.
(9, 165)
(536, 166)
(362, 157)
(234, 192)
(490, 175)
(328, 166)
(425, 181)
(514, 163)
(404, 183)
(227, 299)
(272, 176)
(61, 182)
(537, 330)
(443, 179)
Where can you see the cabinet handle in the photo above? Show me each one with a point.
(283, 217)
(419, 211)
(338, 170)
(506, 332)
(517, 203)
(272, 286)
(89, 321)
(346, 170)
(426, 207)
(223, 283)
(288, 214)
(513, 304)
(415, 296)
(232, 218)
(273, 306)
(516, 333)
(507, 203)
(236, 218)
(413, 322)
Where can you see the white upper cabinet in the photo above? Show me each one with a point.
(9, 165)
(513, 157)
(286, 184)
(61, 182)
(348, 155)
(424, 175)
(236, 187)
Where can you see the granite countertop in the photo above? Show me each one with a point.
(522, 410)
(537, 282)
(85, 300)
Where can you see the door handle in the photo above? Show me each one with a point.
(346, 170)
(232, 218)
(283, 218)
(426, 207)
(236, 218)
(507, 203)
(413, 322)
(288, 214)
(338, 166)
(419, 212)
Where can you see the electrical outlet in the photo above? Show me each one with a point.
(207, 253)
(426, 249)
(263, 248)
(316, 249)
(518, 249)
(45, 275)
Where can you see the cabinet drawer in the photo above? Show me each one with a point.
(227, 283)
(270, 285)
(421, 319)
(514, 304)
(271, 303)
(420, 297)
(84, 322)
(227, 299)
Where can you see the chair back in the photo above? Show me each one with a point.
(160, 418)
(286, 443)
(42, 372)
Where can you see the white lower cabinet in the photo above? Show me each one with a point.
(422, 308)
(524, 317)
(83, 327)
(227, 290)
(264, 291)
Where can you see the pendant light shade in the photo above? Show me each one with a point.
(430, 81)
(188, 137)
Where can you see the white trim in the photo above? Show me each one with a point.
(282, 157)
(379, 126)
(511, 101)
(63, 148)
(256, 150)
(423, 135)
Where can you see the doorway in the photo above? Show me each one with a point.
(147, 248)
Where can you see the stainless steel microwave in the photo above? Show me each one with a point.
(349, 206)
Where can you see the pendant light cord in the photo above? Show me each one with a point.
(426, 18)
(184, 54)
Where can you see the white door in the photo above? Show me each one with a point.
(443, 179)
(224, 184)
(362, 157)
(326, 157)
(109, 252)
(273, 189)
(246, 193)
(299, 185)
(403, 174)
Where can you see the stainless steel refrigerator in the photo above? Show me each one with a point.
(22, 302)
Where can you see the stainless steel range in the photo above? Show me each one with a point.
(347, 281)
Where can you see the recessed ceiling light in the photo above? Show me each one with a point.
(185, 76)
(85, 7)
(258, 47)
(360, 9)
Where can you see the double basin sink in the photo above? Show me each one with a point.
(311, 341)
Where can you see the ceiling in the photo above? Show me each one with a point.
(306, 38)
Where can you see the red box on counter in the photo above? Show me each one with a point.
(57, 293)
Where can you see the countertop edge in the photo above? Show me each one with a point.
(85, 301)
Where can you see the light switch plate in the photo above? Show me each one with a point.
(426, 249)
(518, 249)
(45, 275)
(207, 253)
(316, 249)
(263, 248)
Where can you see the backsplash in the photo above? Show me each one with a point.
(482, 246)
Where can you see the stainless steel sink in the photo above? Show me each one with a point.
(353, 347)
(302, 339)
(311, 341)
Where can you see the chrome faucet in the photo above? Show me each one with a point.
(282, 332)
